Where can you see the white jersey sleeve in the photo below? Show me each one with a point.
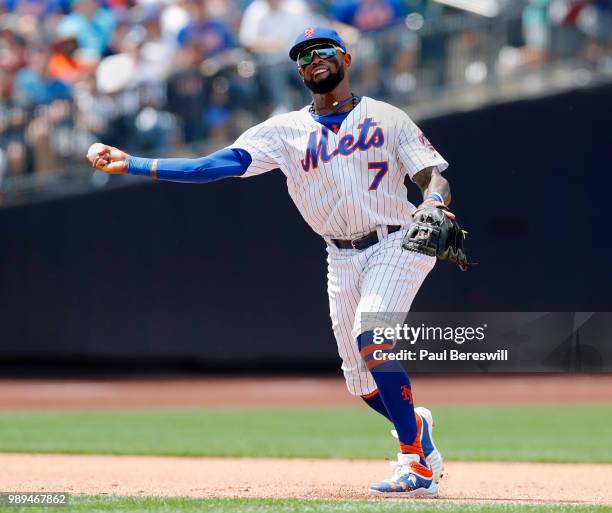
(263, 144)
(414, 151)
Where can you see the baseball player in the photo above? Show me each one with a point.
(345, 158)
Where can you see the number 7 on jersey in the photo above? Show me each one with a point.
(382, 168)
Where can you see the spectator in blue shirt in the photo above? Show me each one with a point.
(92, 25)
(368, 15)
(211, 35)
(38, 8)
(34, 86)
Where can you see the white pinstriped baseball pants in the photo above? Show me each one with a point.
(382, 278)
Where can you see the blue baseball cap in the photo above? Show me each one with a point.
(314, 35)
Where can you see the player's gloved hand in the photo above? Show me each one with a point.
(435, 232)
(107, 159)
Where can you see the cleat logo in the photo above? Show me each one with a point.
(412, 479)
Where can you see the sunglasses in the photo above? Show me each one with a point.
(325, 53)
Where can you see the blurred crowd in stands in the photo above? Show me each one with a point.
(148, 75)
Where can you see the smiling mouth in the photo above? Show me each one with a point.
(319, 71)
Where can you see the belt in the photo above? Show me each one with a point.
(364, 242)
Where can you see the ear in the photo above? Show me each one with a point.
(300, 71)
(347, 60)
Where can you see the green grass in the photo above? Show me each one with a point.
(541, 433)
(184, 505)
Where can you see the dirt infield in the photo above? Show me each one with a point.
(282, 478)
(295, 478)
(298, 392)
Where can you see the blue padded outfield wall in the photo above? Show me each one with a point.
(228, 276)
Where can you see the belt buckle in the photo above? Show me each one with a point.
(353, 243)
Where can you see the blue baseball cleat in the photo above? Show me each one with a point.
(409, 479)
(432, 455)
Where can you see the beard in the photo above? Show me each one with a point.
(329, 83)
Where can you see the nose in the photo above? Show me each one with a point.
(316, 58)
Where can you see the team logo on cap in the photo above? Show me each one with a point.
(309, 32)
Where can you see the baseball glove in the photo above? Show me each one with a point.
(435, 232)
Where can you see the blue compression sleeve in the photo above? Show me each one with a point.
(217, 165)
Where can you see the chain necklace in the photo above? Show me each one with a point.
(336, 105)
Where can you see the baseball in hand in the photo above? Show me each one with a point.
(96, 151)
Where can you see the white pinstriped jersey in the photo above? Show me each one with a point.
(344, 184)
